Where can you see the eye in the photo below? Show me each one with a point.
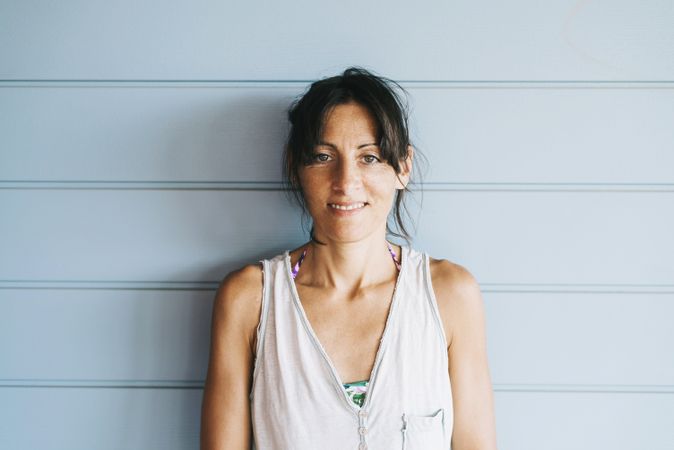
(317, 158)
(371, 159)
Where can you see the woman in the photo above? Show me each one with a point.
(349, 341)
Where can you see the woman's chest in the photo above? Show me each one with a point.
(349, 330)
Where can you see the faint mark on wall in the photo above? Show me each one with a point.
(572, 16)
(629, 38)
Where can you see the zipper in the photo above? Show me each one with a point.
(387, 326)
(307, 326)
(314, 339)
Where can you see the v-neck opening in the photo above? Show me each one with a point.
(317, 343)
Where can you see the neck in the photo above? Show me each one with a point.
(352, 265)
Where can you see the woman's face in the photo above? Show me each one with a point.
(348, 188)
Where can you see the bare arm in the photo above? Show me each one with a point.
(462, 311)
(225, 409)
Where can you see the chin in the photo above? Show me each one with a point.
(353, 234)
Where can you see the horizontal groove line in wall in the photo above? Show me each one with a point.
(590, 388)
(198, 384)
(127, 384)
(111, 285)
(578, 288)
(278, 186)
(420, 84)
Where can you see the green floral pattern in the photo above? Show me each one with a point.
(356, 391)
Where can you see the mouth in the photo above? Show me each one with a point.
(347, 206)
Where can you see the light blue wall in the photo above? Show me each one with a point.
(140, 162)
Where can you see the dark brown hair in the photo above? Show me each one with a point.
(382, 97)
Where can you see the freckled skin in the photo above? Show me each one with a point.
(347, 172)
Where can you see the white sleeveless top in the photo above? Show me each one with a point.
(298, 401)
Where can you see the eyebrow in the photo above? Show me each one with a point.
(328, 144)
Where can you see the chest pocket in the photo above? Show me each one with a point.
(424, 432)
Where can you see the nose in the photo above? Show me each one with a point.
(346, 178)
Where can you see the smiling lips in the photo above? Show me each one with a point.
(347, 206)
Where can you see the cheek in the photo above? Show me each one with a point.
(304, 180)
(311, 188)
(384, 182)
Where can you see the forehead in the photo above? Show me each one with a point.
(349, 119)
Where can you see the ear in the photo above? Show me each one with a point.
(404, 175)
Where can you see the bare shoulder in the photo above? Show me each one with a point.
(238, 301)
(457, 293)
(225, 407)
(245, 282)
(463, 315)
(451, 278)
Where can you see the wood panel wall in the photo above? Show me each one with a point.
(140, 162)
